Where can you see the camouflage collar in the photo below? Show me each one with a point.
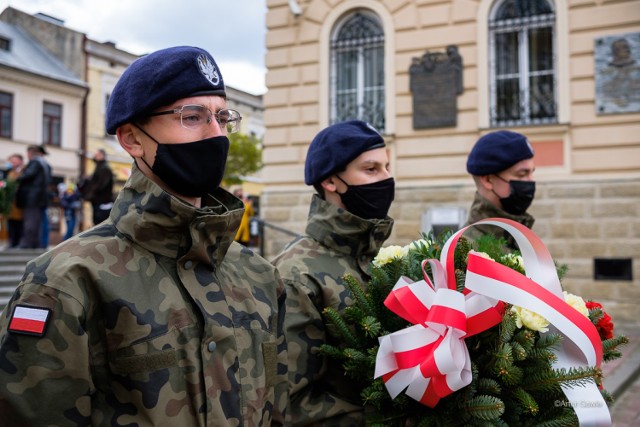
(482, 209)
(166, 225)
(344, 232)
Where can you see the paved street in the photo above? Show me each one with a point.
(622, 379)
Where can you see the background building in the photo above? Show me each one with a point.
(49, 63)
(537, 67)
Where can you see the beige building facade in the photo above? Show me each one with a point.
(587, 204)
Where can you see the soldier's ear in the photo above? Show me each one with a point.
(486, 181)
(329, 185)
(128, 138)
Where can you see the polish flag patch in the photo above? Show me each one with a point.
(29, 320)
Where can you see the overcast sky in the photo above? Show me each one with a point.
(233, 31)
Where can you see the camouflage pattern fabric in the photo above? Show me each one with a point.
(157, 319)
(312, 267)
(481, 208)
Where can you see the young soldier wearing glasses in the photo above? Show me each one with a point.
(156, 316)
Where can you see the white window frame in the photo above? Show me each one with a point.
(561, 33)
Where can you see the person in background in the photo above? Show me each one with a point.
(154, 316)
(100, 188)
(15, 165)
(32, 196)
(244, 232)
(502, 167)
(70, 201)
(347, 164)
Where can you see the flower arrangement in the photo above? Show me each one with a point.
(7, 193)
(405, 342)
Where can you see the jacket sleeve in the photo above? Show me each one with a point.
(45, 380)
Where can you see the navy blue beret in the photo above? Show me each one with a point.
(334, 147)
(161, 78)
(497, 151)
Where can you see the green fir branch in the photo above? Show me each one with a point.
(342, 328)
(486, 407)
(358, 294)
(526, 401)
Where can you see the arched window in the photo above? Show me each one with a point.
(357, 70)
(522, 63)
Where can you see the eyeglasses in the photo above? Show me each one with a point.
(195, 117)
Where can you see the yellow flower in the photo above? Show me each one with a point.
(529, 319)
(576, 302)
(389, 253)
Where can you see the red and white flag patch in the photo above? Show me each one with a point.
(29, 320)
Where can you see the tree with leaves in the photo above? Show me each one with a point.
(245, 158)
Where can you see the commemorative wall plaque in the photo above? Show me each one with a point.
(435, 82)
(617, 74)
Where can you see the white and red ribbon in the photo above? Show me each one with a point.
(430, 359)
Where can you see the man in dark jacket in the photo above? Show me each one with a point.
(100, 192)
(32, 195)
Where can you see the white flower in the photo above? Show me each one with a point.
(482, 254)
(417, 245)
(389, 253)
(576, 302)
(529, 319)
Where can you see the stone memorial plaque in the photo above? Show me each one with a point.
(617, 74)
(435, 82)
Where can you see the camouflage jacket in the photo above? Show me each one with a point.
(312, 267)
(156, 318)
(483, 209)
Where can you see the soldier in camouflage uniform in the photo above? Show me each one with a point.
(348, 223)
(155, 317)
(502, 167)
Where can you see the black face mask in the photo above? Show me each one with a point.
(192, 169)
(520, 196)
(369, 201)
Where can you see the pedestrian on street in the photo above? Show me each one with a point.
(347, 164)
(154, 316)
(70, 201)
(100, 191)
(32, 196)
(502, 167)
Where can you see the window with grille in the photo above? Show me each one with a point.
(522, 63)
(6, 115)
(51, 124)
(357, 70)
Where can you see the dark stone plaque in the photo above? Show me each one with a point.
(435, 82)
(617, 74)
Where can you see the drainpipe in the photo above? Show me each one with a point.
(83, 122)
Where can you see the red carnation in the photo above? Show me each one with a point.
(604, 325)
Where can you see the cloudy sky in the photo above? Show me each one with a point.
(233, 31)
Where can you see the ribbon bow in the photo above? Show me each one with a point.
(430, 358)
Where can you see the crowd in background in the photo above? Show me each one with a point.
(29, 192)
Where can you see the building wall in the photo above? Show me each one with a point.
(64, 43)
(29, 93)
(588, 165)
